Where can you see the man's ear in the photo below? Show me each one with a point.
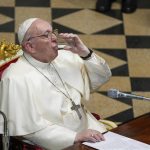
(29, 47)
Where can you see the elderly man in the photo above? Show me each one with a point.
(41, 93)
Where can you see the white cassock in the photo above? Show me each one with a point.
(37, 110)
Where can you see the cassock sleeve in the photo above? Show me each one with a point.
(53, 137)
(98, 71)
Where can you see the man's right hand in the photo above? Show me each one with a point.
(89, 135)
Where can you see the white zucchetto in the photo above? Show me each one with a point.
(24, 27)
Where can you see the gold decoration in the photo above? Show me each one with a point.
(8, 50)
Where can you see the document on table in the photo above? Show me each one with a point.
(118, 142)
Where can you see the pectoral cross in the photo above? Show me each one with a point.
(76, 108)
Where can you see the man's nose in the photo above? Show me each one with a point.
(54, 36)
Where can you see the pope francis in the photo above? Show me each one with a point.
(41, 93)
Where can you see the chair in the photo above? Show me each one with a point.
(9, 53)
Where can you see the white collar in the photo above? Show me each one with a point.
(35, 62)
(64, 68)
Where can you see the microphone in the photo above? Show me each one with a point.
(114, 93)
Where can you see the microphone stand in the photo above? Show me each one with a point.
(5, 137)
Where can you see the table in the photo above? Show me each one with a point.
(138, 129)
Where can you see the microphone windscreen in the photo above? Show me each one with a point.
(113, 93)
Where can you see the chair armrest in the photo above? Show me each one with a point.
(108, 124)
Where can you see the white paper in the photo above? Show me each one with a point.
(118, 142)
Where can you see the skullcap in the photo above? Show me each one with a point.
(24, 27)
